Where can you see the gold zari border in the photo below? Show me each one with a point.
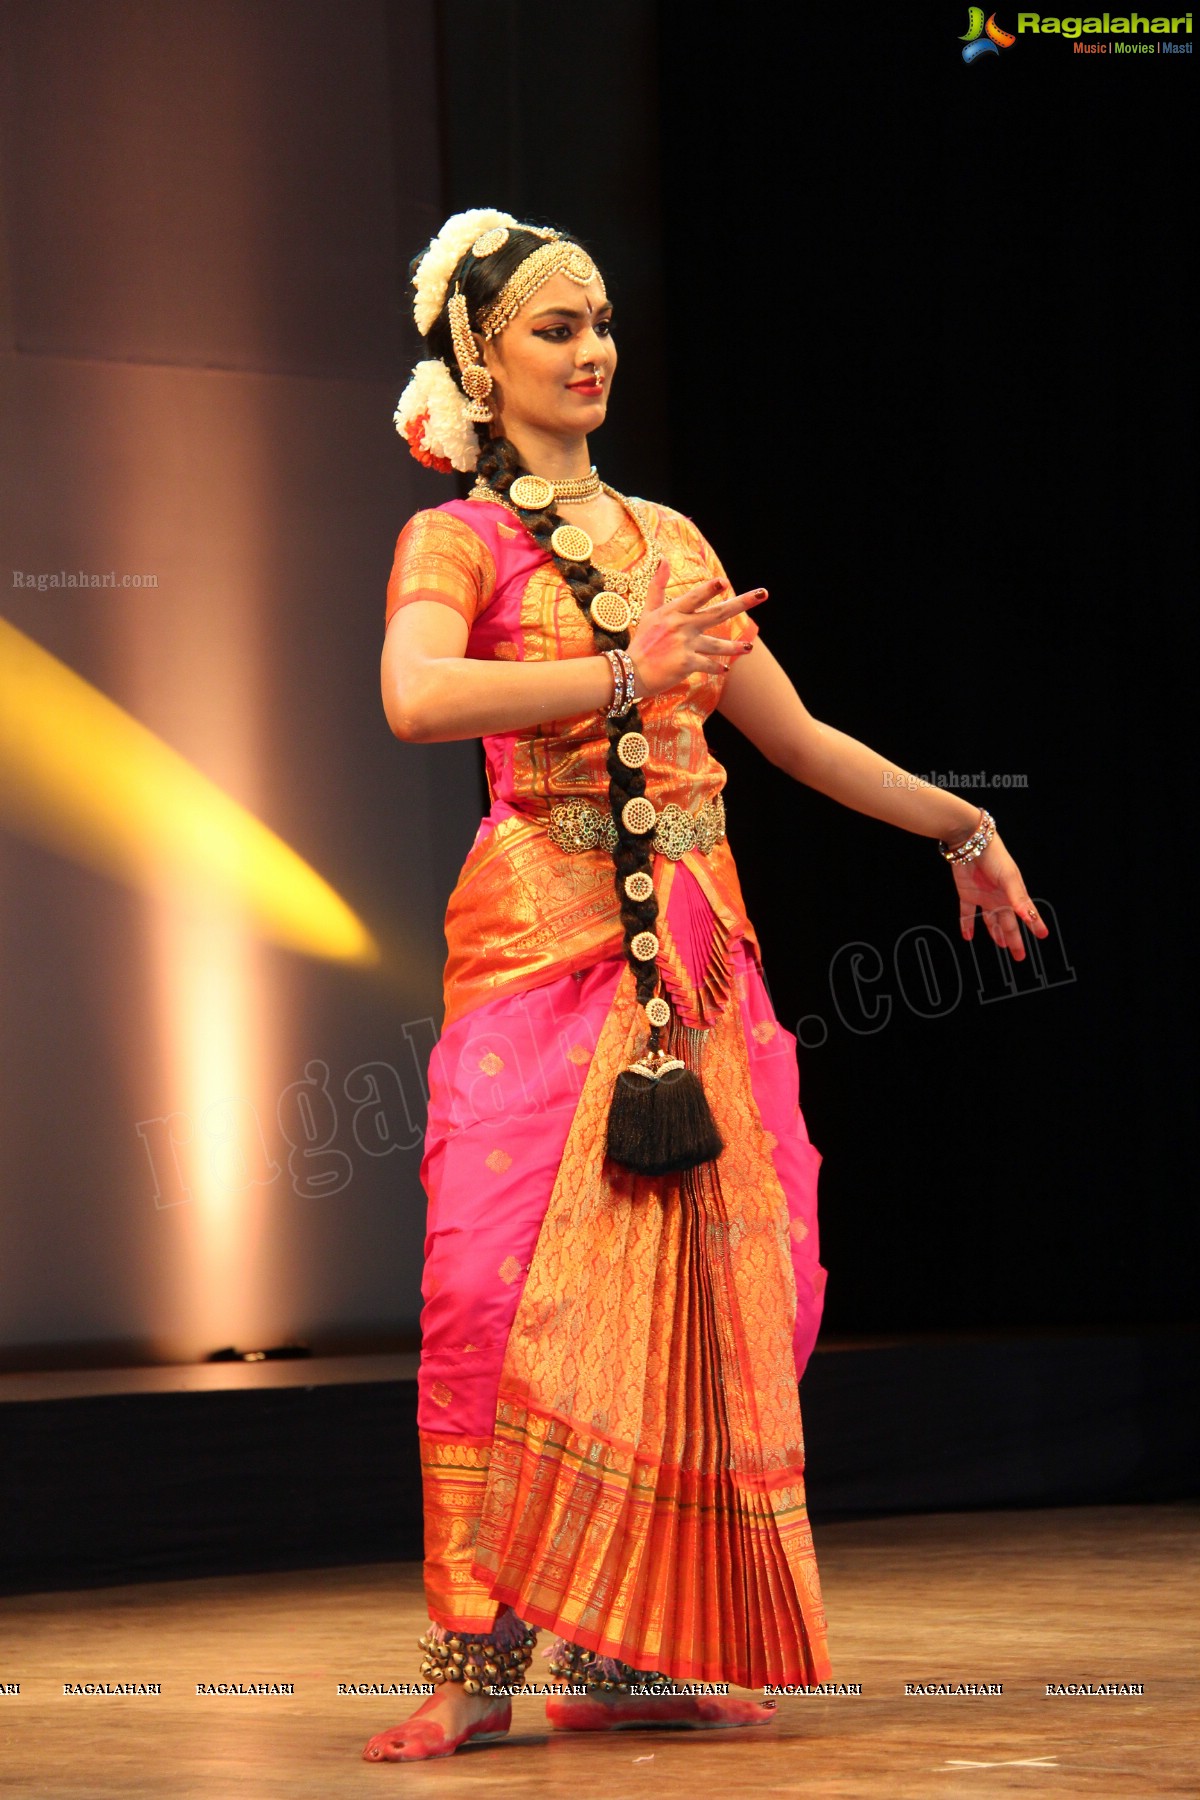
(645, 1494)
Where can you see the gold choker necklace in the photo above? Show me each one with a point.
(579, 492)
(535, 493)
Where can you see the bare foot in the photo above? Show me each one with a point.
(440, 1724)
(615, 1711)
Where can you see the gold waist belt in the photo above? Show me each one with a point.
(581, 825)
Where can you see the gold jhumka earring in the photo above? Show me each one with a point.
(476, 380)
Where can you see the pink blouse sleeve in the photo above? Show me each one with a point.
(440, 558)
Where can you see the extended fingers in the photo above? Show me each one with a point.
(658, 584)
(712, 646)
(694, 597)
(966, 915)
(701, 599)
(1001, 922)
(728, 609)
(1018, 907)
(1024, 908)
(715, 612)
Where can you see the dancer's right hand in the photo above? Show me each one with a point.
(673, 638)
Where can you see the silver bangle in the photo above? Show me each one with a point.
(617, 706)
(625, 697)
(632, 697)
(973, 846)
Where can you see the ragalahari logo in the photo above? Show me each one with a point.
(983, 39)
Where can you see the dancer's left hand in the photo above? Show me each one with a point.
(993, 884)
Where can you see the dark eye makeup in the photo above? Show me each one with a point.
(559, 333)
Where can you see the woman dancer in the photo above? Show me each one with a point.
(621, 1284)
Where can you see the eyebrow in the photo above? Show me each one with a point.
(570, 312)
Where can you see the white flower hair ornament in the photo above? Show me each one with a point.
(434, 415)
(445, 252)
(434, 419)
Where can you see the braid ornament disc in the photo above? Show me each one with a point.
(571, 542)
(532, 493)
(638, 815)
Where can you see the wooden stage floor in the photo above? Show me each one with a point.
(1081, 1595)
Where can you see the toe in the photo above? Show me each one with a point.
(400, 1746)
(378, 1749)
(736, 1712)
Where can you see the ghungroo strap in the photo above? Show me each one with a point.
(484, 1662)
(572, 1664)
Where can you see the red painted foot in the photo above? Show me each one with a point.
(422, 1737)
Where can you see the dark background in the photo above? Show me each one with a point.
(914, 357)
(905, 337)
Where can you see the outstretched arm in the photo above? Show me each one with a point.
(760, 700)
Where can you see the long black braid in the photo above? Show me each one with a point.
(656, 1125)
(499, 465)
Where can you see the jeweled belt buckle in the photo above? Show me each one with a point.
(577, 825)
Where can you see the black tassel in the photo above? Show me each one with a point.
(661, 1125)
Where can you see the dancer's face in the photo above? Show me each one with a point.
(553, 364)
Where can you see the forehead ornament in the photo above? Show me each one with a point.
(555, 257)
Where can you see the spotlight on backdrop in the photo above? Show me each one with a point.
(81, 776)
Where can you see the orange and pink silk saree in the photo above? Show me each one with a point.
(608, 1413)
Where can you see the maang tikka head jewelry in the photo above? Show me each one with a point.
(553, 256)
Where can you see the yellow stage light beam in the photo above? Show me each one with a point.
(82, 777)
